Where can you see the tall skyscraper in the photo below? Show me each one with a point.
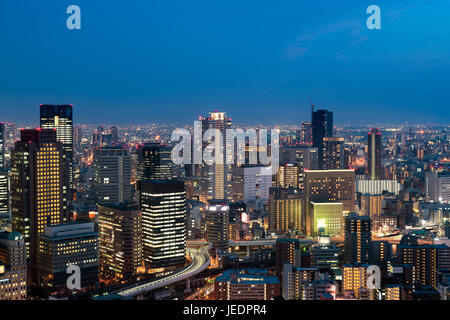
(4, 191)
(288, 176)
(120, 240)
(2, 145)
(358, 239)
(154, 162)
(322, 127)
(306, 133)
(322, 186)
(287, 251)
(305, 157)
(163, 206)
(217, 224)
(285, 209)
(333, 153)
(375, 154)
(59, 117)
(217, 177)
(112, 175)
(37, 181)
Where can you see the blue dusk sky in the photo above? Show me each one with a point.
(173, 60)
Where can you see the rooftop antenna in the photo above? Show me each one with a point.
(312, 104)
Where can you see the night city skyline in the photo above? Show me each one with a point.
(223, 159)
(151, 62)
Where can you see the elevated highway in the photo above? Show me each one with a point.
(199, 262)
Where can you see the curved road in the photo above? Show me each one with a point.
(200, 261)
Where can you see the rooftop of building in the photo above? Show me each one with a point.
(247, 276)
(125, 206)
(15, 235)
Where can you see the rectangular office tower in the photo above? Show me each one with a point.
(216, 178)
(37, 180)
(375, 154)
(4, 191)
(112, 175)
(437, 185)
(217, 224)
(59, 117)
(305, 157)
(163, 206)
(324, 186)
(322, 127)
(13, 266)
(64, 245)
(2, 145)
(358, 239)
(120, 240)
(333, 153)
(285, 210)
(154, 162)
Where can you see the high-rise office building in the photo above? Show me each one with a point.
(217, 225)
(120, 240)
(304, 156)
(4, 191)
(2, 145)
(437, 186)
(235, 213)
(333, 153)
(217, 177)
(287, 251)
(250, 183)
(358, 239)
(163, 206)
(306, 133)
(371, 205)
(285, 209)
(288, 176)
(154, 162)
(112, 175)
(13, 266)
(374, 154)
(59, 117)
(63, 245)
(324, 254)
(37, 181)
(323, 186)
(322, 127)
(114, 135)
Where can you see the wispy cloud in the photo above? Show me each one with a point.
(306, 39)
(352, 29)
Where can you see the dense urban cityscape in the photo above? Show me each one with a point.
(102, 212)
(224, 159)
